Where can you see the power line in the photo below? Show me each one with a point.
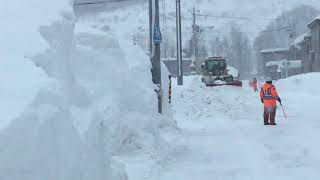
(101, 2)
(239, 23)
(244, 31)
(266, 31)
(235, 17)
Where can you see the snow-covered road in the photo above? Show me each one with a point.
(222, 134)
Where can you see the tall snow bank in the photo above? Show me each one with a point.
(19, 37)
(20, 82)
(19, 22)
(124, 25)
(304, 83)
(302, 90)
(118, 78)
(43, 142)
(98, 102)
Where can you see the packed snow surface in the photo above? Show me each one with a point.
(222, 134)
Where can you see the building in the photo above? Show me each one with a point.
(303, 45)
(273, 55)
(314, 27)
(304, 52)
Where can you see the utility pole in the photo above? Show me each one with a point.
(196, 31)
(150, 28)
(165, 29)
(179, 43)
(156, 60)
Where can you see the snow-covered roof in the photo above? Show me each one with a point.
(276, 63)
(282, 63)
(315, 19)
(300, 39)
(175, 59)
(295, 64)
(273, 50)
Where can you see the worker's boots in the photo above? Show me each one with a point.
(269, 115)
(272, 118)
(266, 118)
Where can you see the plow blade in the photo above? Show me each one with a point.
(236, 83)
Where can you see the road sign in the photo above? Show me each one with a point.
(157, 37)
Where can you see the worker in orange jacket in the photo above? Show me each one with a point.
(255, 84)
(269, 98)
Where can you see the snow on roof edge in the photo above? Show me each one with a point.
(300, 39)
(282, 63)
(315, 19)
(274, 50)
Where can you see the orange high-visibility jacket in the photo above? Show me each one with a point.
(255, 84)
(269, 95)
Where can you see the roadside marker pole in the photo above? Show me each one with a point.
(170, 89)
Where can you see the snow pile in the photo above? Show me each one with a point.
(301, 84)
(20, 79)
(233, 71)
(127, 69)
(99, 103)
(20, 82)
(301, 90)
(46, 141)
(117, 78)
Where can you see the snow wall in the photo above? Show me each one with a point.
(91, 98)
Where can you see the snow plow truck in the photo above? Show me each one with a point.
(215, 73)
